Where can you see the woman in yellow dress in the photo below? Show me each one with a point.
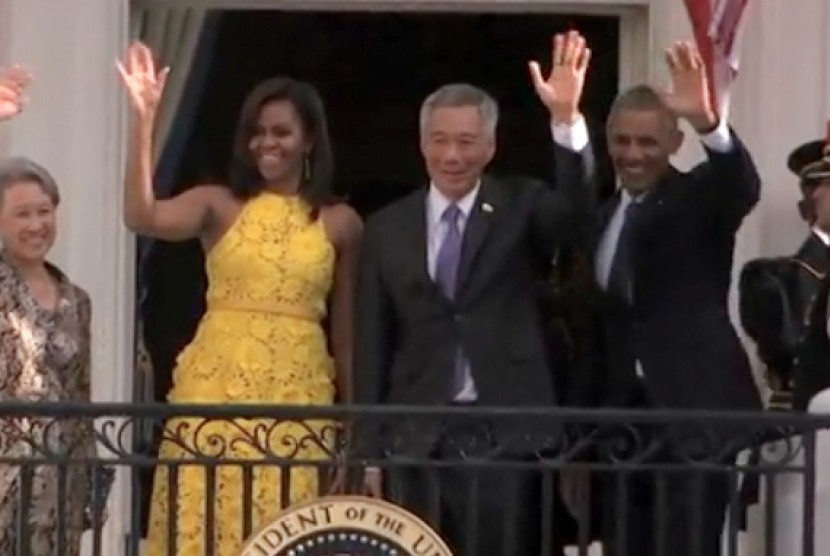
(277, 248)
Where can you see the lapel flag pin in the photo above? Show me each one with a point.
(486, 207)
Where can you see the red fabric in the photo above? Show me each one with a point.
(715, 24)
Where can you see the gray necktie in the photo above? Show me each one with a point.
(446, 274)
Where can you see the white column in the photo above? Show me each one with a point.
(784, 93)
(785, 100)
(5, 41)
(74, 126)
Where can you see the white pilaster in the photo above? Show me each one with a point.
(784, 93)
(74, 126)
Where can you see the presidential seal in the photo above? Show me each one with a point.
(346, 526)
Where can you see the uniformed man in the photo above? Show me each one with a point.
(783, 301)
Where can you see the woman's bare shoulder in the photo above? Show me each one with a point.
(343, 224)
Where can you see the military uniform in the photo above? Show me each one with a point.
(783, 300)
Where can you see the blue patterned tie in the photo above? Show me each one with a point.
(446, 274)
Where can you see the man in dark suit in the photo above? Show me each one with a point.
(448, 313)
(663, 256)
(783, 300)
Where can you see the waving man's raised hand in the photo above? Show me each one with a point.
(561, 91)
(689, 95)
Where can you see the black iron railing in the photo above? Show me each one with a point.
(267, 458)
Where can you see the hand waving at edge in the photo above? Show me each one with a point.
(13, 83)
(562, 90)
(689, 96)
(144, 82)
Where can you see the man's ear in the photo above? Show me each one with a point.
(675, 141)
(805, 209)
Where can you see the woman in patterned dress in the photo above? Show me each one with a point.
(279, 252)
(44, 357)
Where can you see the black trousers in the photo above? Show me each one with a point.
(661, 513)
(476, 510)
(667, 507)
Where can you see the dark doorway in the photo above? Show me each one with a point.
(373, 70)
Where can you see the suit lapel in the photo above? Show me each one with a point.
(648, 221)
(414, 231)
(484, 211)
(604, 215)
(654, 202)
(815, 254)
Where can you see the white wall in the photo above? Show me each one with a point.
(73, 125)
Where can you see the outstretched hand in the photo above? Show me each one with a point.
(13, 83)
(372, 482)
(561, 91)
(145, 83)
(689, 95)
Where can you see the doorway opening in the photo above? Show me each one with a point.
(372, 70)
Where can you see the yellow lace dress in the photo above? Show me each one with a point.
(260, 342)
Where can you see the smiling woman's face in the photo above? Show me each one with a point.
(27, 221)
(280, 142)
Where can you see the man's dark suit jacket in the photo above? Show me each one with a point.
(783, 305)
(407, 331)
(678, 326)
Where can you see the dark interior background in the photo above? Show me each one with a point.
(372, 70)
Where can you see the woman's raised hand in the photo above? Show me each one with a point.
(145, 83)
(13, 83)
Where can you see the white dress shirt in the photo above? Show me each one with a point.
(822, 235)
(611, 237)
(437, 228)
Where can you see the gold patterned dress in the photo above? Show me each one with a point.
(260, 342)
(44, 358)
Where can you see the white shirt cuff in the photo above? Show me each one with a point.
(719, 139)
(571, 136)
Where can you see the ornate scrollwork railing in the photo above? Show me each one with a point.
(554, 437)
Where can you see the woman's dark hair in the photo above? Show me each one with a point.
(315, 185)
